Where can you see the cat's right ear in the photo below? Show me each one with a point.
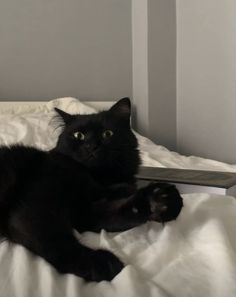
(122, 110)
(66, 117)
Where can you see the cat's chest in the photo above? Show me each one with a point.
(71, 182)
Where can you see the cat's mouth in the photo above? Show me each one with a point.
(92, 155)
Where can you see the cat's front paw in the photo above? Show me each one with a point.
(104, 266)
(165, 202)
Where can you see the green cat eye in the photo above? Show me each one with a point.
(79, 135)
(107, 134)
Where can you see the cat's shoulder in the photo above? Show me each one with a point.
(19, 148)
(19, 151)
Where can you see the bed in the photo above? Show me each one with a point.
(192, 256)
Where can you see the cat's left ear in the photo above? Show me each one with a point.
(66, 117)
(122, 109)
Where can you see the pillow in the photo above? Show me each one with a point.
(68, 104)
(34, 125)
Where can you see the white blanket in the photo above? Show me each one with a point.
(192, 256)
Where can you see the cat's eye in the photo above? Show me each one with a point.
(107, 134)
(79, 135)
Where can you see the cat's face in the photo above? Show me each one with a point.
(102, 140)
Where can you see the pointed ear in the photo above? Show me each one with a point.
(67, 118)
(122, 109)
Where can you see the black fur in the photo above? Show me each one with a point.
(86, 183)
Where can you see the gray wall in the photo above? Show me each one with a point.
(162, 71)
(206, 72)
(200, 114)
(140, 65)
(154, 69)
(58, 48)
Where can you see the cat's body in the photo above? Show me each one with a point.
(86, 183)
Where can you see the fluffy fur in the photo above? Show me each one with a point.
(87, 182)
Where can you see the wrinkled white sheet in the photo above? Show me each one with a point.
(192, 256)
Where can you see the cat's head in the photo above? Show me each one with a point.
(101, 141)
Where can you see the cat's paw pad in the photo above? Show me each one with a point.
(165, 202)
(104, 266)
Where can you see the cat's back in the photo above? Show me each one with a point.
(18, 166)
(17, 163)
(18, 155)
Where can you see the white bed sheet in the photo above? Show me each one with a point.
(192, 256)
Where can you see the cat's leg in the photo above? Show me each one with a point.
(120, 191)
(158, 202)
(50, 236)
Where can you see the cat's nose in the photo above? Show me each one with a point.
(91, 147)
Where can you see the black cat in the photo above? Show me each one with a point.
(87, 182)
